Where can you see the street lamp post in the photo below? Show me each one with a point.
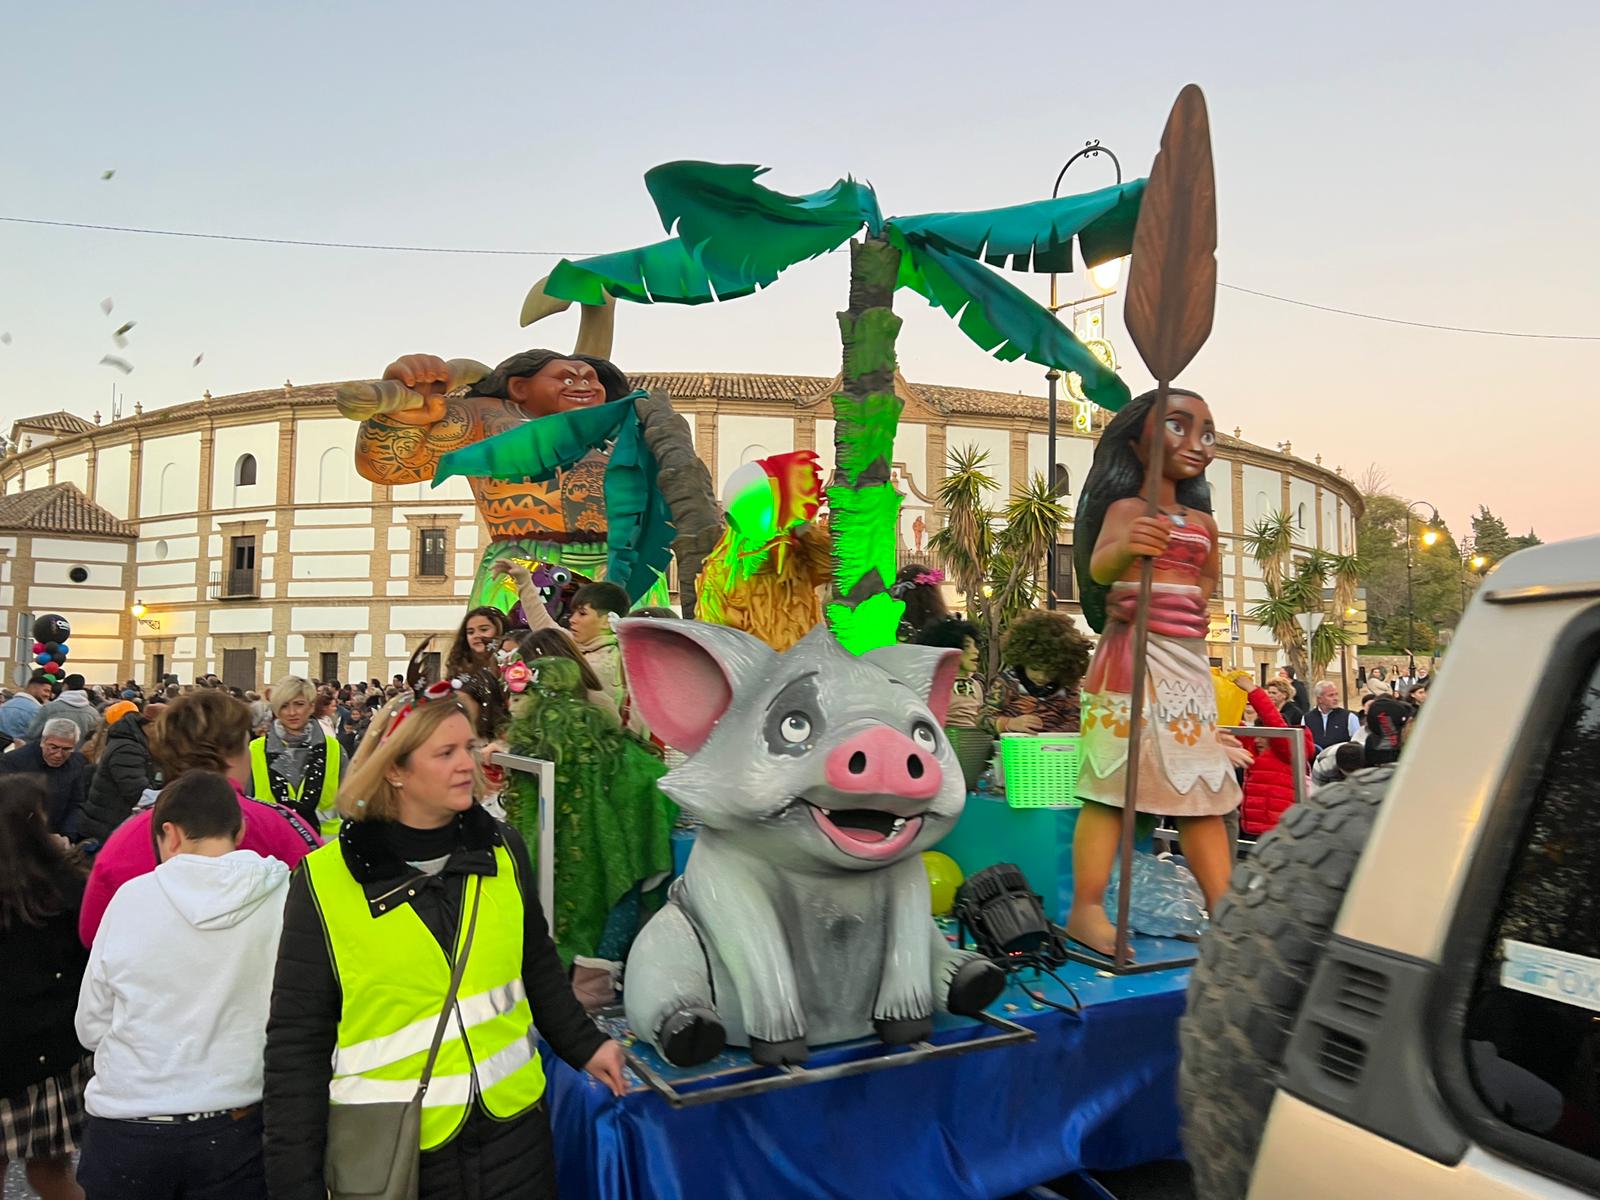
(1428, 538)
(1471, 561)
(1052, 377)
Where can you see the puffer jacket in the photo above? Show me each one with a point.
(42, 966)
(489, 1159)
(121, 776)
(1269, 780)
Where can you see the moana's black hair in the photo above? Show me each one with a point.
(1117, 474)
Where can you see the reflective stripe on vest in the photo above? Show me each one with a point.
(328, 819)
(393, 976)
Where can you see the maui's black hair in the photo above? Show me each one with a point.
(1117, 474)
(531, 362)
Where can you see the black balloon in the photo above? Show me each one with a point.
(52, 627)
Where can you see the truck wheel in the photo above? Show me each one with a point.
(1256, 961)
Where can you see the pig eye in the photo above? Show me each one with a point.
(795, 728)
(922, 734)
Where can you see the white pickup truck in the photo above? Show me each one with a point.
(1400, 995)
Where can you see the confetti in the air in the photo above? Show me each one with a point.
(5, 339)
(121, 364)
(197, 359)
(106, 306)
(104, 175)
(118, 335)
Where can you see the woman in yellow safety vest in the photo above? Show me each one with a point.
(372, 926)
(296, 763)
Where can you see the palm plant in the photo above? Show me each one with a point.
(998, 572)
(1296, 591)
(964, 544)
(732, 237)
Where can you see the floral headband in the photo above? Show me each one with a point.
(434, 691)
(922, 579)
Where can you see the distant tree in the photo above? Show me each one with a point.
(1491, 539)
(1436, 575)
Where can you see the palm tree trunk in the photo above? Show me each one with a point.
(686, 486)
(864, 508)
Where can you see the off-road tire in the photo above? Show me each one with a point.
(1256, 961)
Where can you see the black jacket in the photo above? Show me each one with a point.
(124, 771)
(43, 968)
(68, 784)
(489, 1158)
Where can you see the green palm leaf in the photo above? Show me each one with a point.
(660, 273)
(1001, 318)
(1036, 236)
(740, 229)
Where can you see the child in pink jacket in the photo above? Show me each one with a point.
(271, 830)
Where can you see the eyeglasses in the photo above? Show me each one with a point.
(434, 691)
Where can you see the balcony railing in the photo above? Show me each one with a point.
(241, 584)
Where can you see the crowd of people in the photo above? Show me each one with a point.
(228, 919)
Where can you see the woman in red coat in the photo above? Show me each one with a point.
(1269, 780)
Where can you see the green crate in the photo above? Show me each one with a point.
(1041, 769)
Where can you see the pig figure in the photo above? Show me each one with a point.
(802, 917)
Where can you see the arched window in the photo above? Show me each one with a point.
(333, 475)
(1263, 506)
(244, 471)
(167, 489)
(1300, 516)
(751, 453)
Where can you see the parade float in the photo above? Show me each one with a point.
(798, 945)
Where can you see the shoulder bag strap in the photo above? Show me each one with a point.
(455, 986)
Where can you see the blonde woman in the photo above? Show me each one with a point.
(297, 762)
(371, 927)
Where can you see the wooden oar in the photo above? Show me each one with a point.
(1171, 299)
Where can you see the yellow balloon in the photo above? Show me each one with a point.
(944, 877)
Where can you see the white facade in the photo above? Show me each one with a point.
(260, 551)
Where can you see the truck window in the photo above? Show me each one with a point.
(1533, 1027)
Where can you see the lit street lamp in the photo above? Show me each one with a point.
(138, 610)
(1105, 276)
(1429, 537)
(1473, 562)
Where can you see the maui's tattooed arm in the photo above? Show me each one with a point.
(391, 452)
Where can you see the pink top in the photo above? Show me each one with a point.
(269, 829)
(1187, 550)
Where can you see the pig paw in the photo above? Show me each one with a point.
(690, 1037)
(903, 1032)
(779, 1054)
(975, 985)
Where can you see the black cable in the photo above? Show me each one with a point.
(271, 241)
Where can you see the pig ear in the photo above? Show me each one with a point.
(930, 671)
(683, 675)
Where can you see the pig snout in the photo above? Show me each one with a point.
(884, 761)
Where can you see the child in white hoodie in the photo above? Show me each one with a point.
(174, 1006)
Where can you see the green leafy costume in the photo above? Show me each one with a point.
(613, 825)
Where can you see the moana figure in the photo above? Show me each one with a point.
(1186, 767)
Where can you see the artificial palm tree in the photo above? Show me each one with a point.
(732, 237)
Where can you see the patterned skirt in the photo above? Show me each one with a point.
(45, 1120)
(1183, 768)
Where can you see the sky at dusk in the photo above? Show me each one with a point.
(1415, 160)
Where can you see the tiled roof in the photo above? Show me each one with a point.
(60, 509)
(60, 421)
